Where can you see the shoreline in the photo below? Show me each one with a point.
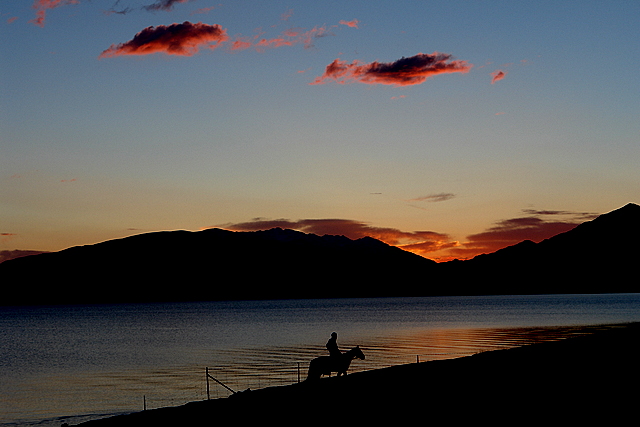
(576, 379)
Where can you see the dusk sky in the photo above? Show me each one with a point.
(449, 128)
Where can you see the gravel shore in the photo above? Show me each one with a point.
(591, 378)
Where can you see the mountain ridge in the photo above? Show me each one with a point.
(218, 264)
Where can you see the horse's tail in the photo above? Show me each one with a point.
(314, 371)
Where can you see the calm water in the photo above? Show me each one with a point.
(57, 363)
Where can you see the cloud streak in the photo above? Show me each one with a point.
(497, 76)
(184, 39)
(353, 23)
(403, 72)
(289, 37)
(164, 5)
(187, 38)
(42, 6)
(440, 197)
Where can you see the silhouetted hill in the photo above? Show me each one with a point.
(215, 264)
(595, 257)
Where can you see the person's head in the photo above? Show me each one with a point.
(334, 335)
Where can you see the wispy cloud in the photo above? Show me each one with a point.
(165, 5)
(42, 6)
(176, 39)
(440, 197)
(403, 72)
(497, 76)
(288, 37)
(203, 10)
(288, 14)
(353, 23)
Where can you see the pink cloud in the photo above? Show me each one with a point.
(176, 39)
(203, 10)
(353, 24)
(275, 42)
(285, 16)
(241, 44)
(41, 7)
(289, 37)
(403, 72)
(497, 76)
(12, 20)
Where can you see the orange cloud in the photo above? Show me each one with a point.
(497, 76)
(353, 24)
(419, 242)
(176, 39)
(511, 231)
(241, 44)
(41, 7)
(289, 37)
(275, 42)
(403, 72)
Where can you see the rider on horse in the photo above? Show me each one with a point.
(332, 346)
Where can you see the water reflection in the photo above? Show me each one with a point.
(280, 365)
(256, 367)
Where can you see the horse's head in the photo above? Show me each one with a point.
(357, 353)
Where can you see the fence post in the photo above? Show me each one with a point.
(207, 374)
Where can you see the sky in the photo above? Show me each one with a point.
(447, 128)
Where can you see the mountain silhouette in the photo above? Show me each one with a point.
(214, 264)
(595, 257)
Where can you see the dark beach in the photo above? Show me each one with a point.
(589, 378)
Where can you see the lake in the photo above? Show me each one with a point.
(73, 363)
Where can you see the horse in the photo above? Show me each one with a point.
(324, 365)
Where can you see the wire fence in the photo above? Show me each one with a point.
(242, 369)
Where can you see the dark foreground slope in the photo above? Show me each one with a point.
(590, 379)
